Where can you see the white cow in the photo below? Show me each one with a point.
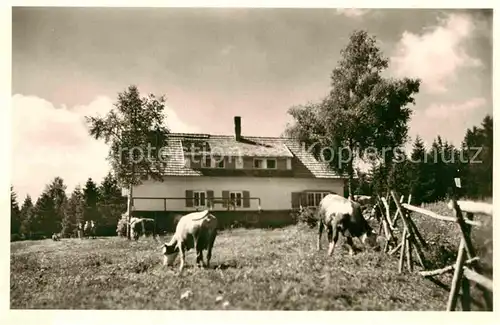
(341, 215)
(194, 230)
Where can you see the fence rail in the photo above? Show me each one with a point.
(210, 201)
(466, 267)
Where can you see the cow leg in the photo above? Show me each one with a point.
(210, 245)
(182, 254)
(333, 234)
(350, 245)
(199, 252)
(321, 226)
(197, 248)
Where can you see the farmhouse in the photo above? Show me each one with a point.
(246, 179)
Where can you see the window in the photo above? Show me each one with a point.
(260, 163)
(187, 162)
(239, 163)
(206, 162)
(271, 164)
(236, 198)
(199, 198)
(219, 162)
(288, 163)
(314, 198)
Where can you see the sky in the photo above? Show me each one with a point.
(213, 64)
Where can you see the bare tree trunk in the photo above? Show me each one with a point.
(129, 208)
(349, 184)
(350, 169)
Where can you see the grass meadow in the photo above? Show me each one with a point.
(251, 269)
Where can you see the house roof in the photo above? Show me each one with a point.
(179, 144)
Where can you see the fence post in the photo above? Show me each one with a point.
(457, 276)
(409, 260)
(464, 248)
(420, 254)
(403, 248)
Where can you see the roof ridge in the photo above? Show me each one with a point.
(180, 134)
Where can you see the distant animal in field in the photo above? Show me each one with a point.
(89, 229)
(343, 216)
(142, 226)
(56, 237)
(196, 230)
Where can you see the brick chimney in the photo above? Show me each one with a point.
(237, 127)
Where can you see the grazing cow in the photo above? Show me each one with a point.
(142, 226)
(195, 230)
(90, 228)
(339, 214)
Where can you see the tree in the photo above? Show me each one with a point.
(45, 215)
(111, 204)
(74, 212)
(128, 128)
(90, 200)
(362, 110)
(477, 151)
(15, 213)
(417, 171)
(57, 191)
(28, 218)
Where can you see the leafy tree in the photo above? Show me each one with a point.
(28, 218)
(15, 213)
(363, 109)
(74, 212)
(128, 127)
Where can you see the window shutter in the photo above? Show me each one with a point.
(225, 198)
(189, 198)
(303, 199)
(210, 197)
(246, 199)
(295, 200)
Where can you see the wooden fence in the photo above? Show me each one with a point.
(466, 267)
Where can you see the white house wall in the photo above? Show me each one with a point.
(275, 193)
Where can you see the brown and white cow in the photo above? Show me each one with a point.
(343, 216)
(194, 230)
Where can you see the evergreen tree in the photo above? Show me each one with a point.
(28, 221)
(417, 171)
(91, 198)
(45, 212)
(74, 212)
(477, 157)
(111, 203)
(15, 213)
(57, 191)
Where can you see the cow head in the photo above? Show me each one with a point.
(170, 252)
(369, 238)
